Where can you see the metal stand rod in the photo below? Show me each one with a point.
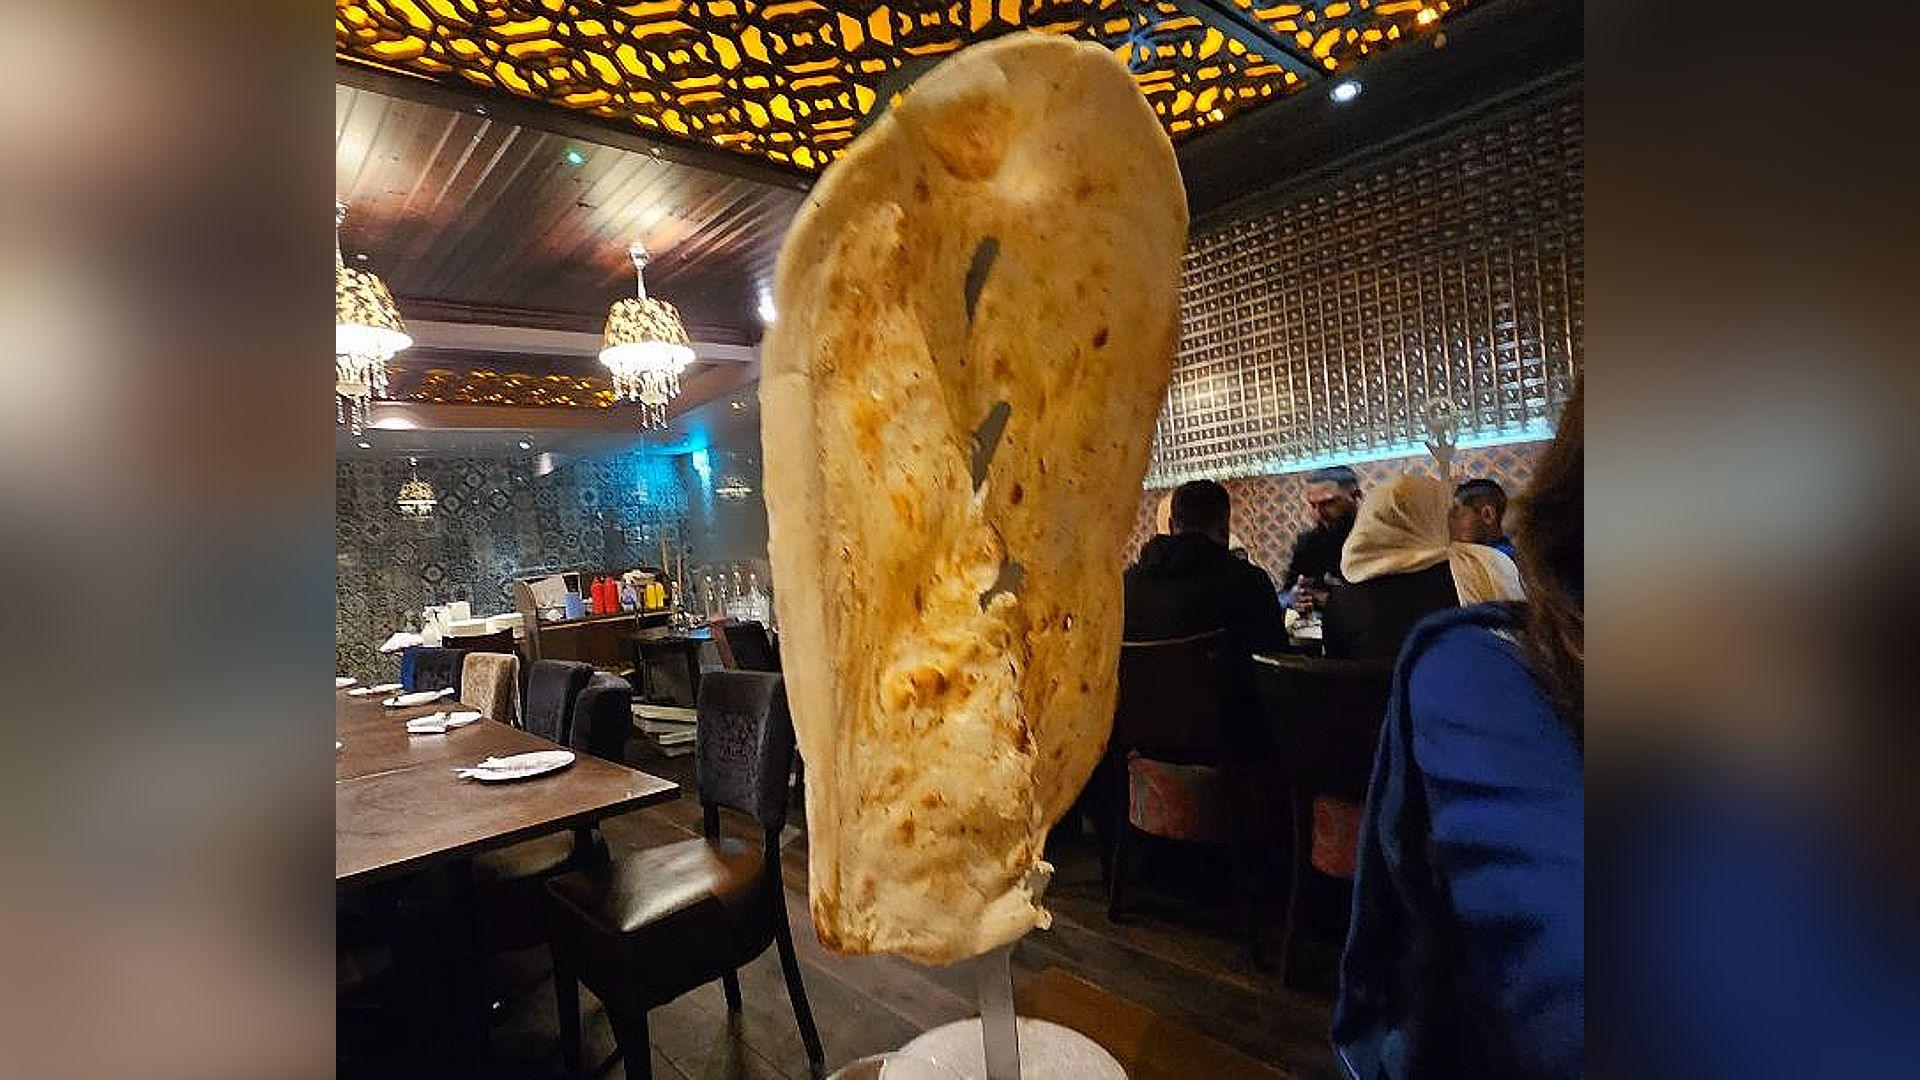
(999, 1032)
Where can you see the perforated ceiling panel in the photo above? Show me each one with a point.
(792, 81)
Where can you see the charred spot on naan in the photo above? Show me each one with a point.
(986, 440)
(983, 258)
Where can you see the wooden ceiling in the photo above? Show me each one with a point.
(470, 217)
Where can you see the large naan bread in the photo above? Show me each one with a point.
(978, 312)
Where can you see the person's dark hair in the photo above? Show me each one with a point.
(1335, 474)
(1481, 490)
(1550, 534)
(1201, 506)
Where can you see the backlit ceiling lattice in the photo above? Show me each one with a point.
(792, 80)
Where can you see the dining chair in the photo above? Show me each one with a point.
(552, 688)
(752, 649)
(436, 668)
(650, 925)
(500, 641)
(1174, 768)
(1324, 716)
(490, 682)
(603, 717)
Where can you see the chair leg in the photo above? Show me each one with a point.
(730, 982)
(1245, 883)
(797, 991)
(566, 994)
(636, 1045)
(1117, 870)
(1297, 876)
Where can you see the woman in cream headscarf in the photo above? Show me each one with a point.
(1401, 566)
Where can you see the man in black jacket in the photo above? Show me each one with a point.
(1189, 583)
(1333, 494)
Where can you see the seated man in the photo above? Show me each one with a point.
(1478, 507)
(1333, 495)
(1187, 582)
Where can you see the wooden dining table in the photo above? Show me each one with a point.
(399, 808)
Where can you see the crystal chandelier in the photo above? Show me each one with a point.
(367, 332)
(416, 498)
(646, 348)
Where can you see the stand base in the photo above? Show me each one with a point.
(1047, 1052)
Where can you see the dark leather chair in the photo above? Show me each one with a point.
(552, 688)
(1174, 774)
(500, 641)
(509, 882)
(603, 717)
(751, 647)
(650, 925)
(436, 668)
(1324, 716)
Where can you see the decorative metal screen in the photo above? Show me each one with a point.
(792, 80)
(1317, 333)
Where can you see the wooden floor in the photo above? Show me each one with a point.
(1180, 957)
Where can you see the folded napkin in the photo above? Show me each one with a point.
(440, 723)
(365, 691)
(401, 641)
(515, 766)
(419, 697)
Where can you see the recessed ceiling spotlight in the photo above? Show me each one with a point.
(525, 445)
(739, 404)
(365, 445)
(1344, 91)
(574, 156)
(362, 257)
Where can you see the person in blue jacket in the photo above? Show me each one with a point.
(1466, 953)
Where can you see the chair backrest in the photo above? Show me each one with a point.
(1325, 716)
(500, 641)
(436, 668)
(552, 687)
(752, 648)
(408, 657)
(490, 682)
(743, 745)
(1172, 704)
(603, 717)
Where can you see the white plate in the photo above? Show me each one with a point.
(440, 723)
(368, 691)
(342, 681)
(418, 697)
(518, 766)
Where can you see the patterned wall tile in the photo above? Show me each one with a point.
(494, 518)
(1318, 331)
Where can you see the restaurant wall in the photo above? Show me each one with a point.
(726, 515)
(494, 517)
(1316, 327)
